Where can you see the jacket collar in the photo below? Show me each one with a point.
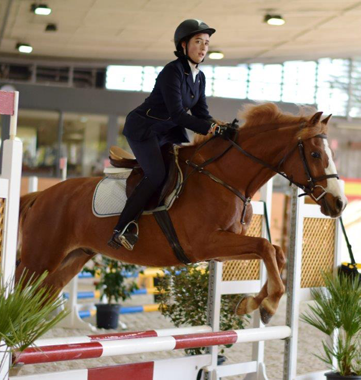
(189, 77)
(185, 64)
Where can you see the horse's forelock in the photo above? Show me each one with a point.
(311, 131)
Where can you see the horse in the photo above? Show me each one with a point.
(58, 232)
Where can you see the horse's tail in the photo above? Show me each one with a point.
(26, 201)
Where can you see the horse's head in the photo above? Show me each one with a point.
(310, 165)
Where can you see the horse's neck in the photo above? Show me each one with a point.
(248, 176)
(234, 168)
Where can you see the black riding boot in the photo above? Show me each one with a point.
(126, 231)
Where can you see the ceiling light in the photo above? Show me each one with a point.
(216, 55)
(41, 9)
(51, 28)
(24, 48)
(274, 20)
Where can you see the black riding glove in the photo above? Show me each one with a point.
(228, 131)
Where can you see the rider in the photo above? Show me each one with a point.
(162, 118)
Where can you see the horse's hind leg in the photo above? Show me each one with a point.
(69, 267)
(249, 304)
(64, 272)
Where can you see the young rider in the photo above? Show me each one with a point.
(163, 118)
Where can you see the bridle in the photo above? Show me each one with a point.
(308, 189)
(311, 181)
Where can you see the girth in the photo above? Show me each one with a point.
(165, 223)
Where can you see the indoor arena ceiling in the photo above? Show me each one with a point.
(142, 30)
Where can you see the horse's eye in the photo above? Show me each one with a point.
(316, 155)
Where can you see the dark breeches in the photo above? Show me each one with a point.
(150, 158)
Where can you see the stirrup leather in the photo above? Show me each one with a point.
(125, 238)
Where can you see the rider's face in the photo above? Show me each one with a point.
(197, 47)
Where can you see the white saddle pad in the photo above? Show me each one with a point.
(109, 196)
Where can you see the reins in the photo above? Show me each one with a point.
(308, 189)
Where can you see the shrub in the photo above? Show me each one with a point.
(183, 297)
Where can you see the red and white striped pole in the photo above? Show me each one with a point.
(122, 336)
(102, 348)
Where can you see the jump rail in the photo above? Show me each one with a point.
(122, 335)
(98, 349)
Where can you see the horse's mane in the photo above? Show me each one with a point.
(270, 115)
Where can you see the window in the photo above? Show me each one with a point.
(150, 74)
(38, 131)
(230, 82)
(128, 78)
(299, 82)
(355, 96)
(84, 143)
(334, 85)
(265, 82)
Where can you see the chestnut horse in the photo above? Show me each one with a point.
(59, 233)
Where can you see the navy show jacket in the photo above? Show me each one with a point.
(164, 111)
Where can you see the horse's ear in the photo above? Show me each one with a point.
(327, 119)
(315, 119)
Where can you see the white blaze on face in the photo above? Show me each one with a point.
(333, 184)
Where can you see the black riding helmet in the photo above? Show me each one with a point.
(188, 29)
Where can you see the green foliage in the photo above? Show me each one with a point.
(183, 297)
(114, 283)
(27, 312)
(338, 308)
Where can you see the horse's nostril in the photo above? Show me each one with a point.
(339, 204)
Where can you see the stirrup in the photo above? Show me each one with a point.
(125, 238)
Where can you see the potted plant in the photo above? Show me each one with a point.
(183, 297)
(337, 309)
(114, 284)
(27, 312)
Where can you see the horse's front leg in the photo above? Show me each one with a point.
(224, 246)
(248, 304)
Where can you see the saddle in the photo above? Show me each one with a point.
(119, 158)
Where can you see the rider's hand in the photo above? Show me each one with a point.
(220, 122)
(213, 128)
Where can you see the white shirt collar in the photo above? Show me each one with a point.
(194, 70)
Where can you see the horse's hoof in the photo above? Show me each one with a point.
(246, 304)
(265, 315)
(238, 304)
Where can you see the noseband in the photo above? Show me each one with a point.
(308, 189)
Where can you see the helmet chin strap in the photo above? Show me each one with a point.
(190, 59)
